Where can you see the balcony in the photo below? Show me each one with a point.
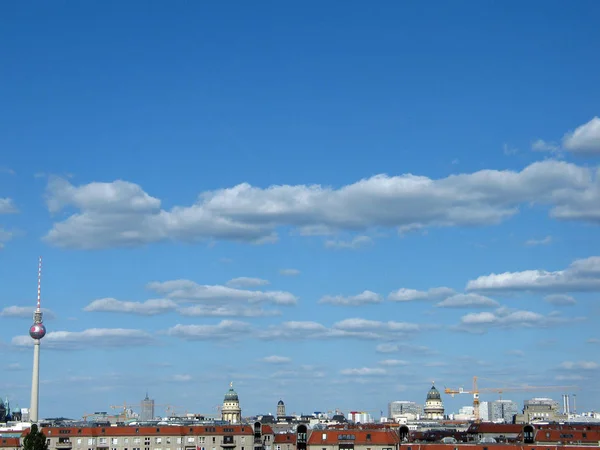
(64, 444)
(228, 443)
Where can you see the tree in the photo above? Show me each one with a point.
(35, 439)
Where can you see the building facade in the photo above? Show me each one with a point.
(434, 408)
(280, 410)
(231, 411)
(147, 411)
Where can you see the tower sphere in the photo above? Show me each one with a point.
(37, 331)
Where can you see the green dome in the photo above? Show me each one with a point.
(433, 394)
(231, 396)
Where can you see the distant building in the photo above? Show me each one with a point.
(403, 409)
(485, 412)
(231, 411)
(434, 408)
(147, 412)
(503, 411)
(540, 409)
(280, 410)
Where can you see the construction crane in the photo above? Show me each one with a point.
(476, 391)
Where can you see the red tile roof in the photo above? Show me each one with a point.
(10, 442)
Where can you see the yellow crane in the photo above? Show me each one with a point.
(476, 391)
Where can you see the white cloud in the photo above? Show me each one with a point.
(189, 291)
(289, 272)
(275, 359)
(7, 206)
(226, 329)
(544, 146)
(545, 241)
(585, 139)
(408, 295)
(394, 362)
(363, 371)
(25, 312)
(560, 299)
(593, 341)
(5, 236)
(581, 275)
(226, 311)
(13, 367)
(147, 308)
(90, 338)
(466, 301)
(519, 353)
(122, 214)
(348, 328)
(247, 282)
(509, 150)
(355, 243)
(182, 378)
(579, 365)
(364, 298)
(404, 348)
(508, 318)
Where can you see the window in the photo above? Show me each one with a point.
(190, 439)
(78, 441)
(157, 440)
(179, 440)
(114, 441)
(126, 441)
(137, 440)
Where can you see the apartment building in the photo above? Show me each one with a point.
(209, 437)
(353, 439)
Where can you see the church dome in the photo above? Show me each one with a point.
(280, 402)
(433, 394)
(231, 396)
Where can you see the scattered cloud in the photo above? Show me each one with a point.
(545, 241)
(275, 359)
(467, 301)
(147, 308)
(560, 300)
(90, 338)
(404, 348)
(355, 243)
(25, 312)
(364, 298)
(519, 353)
(581, 275)
(224, 330)
(509, 150)
(7, 170)
(226, 311)
(579, 365)
(122, 214)
(349, 328)
(7, 206)
(585, 139)
(364, 371)
(242, 282)
(409, 295)
(394, 362)
(182, 378)
(13, 367)
(544, 146)
(5, 236)
(189, 291)
(289, 272)
(593, 341)
(507, 318)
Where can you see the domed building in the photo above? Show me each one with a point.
(231, 411)
(434, 408)
(280, 410)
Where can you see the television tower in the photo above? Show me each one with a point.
(37, 332)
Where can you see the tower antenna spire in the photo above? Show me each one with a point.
(39, 284)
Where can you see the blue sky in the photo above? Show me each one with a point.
(314, 198)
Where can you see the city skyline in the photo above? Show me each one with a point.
(329, 205)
